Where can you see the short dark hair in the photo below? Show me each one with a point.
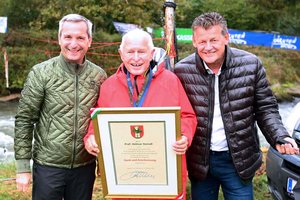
(75, 18)
(210, 19)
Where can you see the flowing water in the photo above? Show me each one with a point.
(7, 120)
(8, 111)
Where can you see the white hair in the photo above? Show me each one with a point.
(137, 33)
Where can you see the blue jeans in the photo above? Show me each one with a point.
(222, 173)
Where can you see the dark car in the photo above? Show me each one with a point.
(283, 171)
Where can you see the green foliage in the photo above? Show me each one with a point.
(278, 16)
(46, 14)
(239, 13)
(8, 187)
(32, 35)
(7, 170)
(281, 65)
(26, 48)
(264, 15)
(20, 16)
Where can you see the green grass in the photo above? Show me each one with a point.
(8, 190)
(8, 187)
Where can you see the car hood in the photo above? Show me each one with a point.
(294, 159)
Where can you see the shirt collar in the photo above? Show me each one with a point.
(209, 71)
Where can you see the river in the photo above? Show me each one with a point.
(8, 111)
(7, 120)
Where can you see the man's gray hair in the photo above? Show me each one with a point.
(76, 18)
(135, 33)
(207, 20)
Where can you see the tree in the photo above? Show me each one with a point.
(19, 16)
(102, 12)
(278, 15)
(238, 13)
(265, 15)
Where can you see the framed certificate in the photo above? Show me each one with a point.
(136, 158)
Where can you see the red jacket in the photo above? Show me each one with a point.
(165, 90)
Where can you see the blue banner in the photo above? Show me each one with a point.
(286, 42)
(250, 38)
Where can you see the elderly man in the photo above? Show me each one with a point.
(54, 109)
(140, 82)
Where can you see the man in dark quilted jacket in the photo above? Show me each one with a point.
(230, 93)
(53, 117)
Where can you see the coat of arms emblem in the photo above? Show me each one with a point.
(137, 131)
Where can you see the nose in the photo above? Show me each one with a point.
(73, 43)
(208, 45)
(136, 55)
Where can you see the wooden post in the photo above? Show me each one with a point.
(169, 30)
(6, 66)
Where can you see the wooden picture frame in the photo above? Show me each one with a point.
(136, 158)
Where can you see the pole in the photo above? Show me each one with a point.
(169, 30)
(6, 66)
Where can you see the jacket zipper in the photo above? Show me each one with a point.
(209, 125)
(225, 127)
(75, 120)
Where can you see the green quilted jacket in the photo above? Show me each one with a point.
(53, 114)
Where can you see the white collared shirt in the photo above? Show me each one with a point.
(218, 137)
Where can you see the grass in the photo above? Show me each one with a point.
(8, 189)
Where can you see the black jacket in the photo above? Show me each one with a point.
(245, 98)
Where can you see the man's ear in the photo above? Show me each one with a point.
(152, 52)
(194, 41)
(227, 38)
(90, 41)
(58, 39)
(121, 54)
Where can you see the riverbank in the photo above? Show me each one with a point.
(289, 94)
(10, 97)
(294, 91)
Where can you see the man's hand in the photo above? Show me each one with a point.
(91, 145)
(23, 181)
(290, 147)
(180, 146)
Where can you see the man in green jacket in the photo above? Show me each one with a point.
(53, 117)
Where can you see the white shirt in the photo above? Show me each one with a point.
(218, 137)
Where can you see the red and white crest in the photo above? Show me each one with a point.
(137, 131)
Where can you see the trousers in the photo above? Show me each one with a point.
(221, 173)
(52, 183)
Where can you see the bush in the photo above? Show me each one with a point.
(27, 48)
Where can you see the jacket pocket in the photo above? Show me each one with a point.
(48, 129)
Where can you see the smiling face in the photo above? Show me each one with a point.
(74, 41)
(136, 53)
(210, 44)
